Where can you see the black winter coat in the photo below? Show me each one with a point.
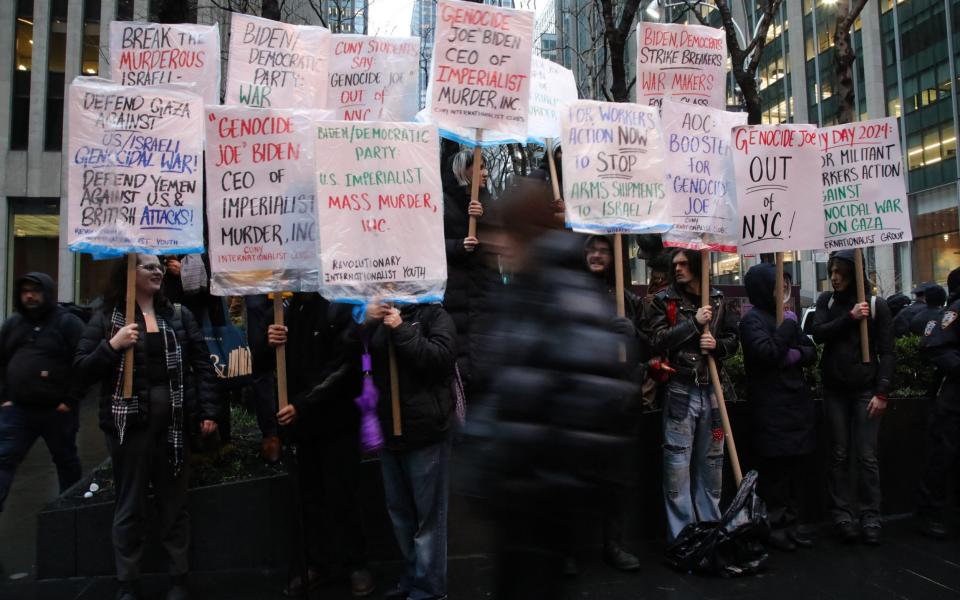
(469, 279)
(547, 427)
(841, 363)
(323, 365)
(36, 351)
(783, 414)
(941, 346)
(95, 360)
(919, 321)
(425, 348)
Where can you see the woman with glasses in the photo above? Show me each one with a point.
(174, 385)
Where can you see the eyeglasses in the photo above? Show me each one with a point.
(153, 268)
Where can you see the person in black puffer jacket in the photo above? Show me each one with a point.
(546, 433)
(854, 393)
(415, 464)
(470, 277)
(174, 386)
(783, 414)
(39, 394)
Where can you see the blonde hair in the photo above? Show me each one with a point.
(462, 166)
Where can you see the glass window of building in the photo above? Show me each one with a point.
(124, 10)
(23, 66)
(56, 69)
(33, 239)
(90, 64)
(936, 246)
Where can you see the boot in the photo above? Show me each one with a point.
(618, 558)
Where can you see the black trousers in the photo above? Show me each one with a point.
(330, 478)
(780, 483)
(943, 449)
(142, 460)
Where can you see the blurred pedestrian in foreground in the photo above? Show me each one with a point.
(545, 435)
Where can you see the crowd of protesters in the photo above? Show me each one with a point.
(538, 381)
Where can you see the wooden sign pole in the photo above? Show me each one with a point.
(281, 353)
(778, 290)
(394, 390)
(862, 297)
(715, 374)
(131, 318)
(551, 163)
(475, 182)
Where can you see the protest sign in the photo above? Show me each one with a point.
(686, 63)
(156, 53)
(374, 78)
(381, 212)
(552, 87)
(778, 204)
(135, 169)
(277, 65)
(613, 177)
(481, 67)
(261, 202)
(864, 192)
(701, 188)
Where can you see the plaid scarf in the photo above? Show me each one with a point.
(121, 407)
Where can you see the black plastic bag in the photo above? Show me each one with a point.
(730, 547)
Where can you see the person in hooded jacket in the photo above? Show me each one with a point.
(323, 378)
(854, 395)
(174, 387)
(469, 278)
(941, 346)
(415, 464)
(934, 297)
(39, 396)
(782, 411)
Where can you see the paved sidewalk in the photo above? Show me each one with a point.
(906, 567)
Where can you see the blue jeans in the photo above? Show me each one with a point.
(416, 484)
(19, 429)
(692, 457)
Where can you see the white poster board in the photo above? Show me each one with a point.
(552, 88)
(864, 190)
(701, 187)
(381, 212)
(157, 53)
(779, 203)
(686, 63)
(374, 78)
(261, 200)
(277, 65)
(135, 171)
(613, 168)
(481, 67)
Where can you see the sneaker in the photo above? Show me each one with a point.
(618, 558)
(801, 536)
(847, 531)
(871, 535)
(361, 583)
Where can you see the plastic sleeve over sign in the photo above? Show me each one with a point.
(261, 200)
(381, 212)
(135, 169)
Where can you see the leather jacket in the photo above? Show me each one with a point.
(674, 332)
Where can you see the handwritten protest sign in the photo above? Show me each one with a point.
(552, 87)
(864, 192)
(261, 203)
(613, 168)
(381, 212)
(779, 208)
(374, 78)
(277, 65)
(156, 53)
(481, 67)
(701, 188)
(135, 169)
(686, 63)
